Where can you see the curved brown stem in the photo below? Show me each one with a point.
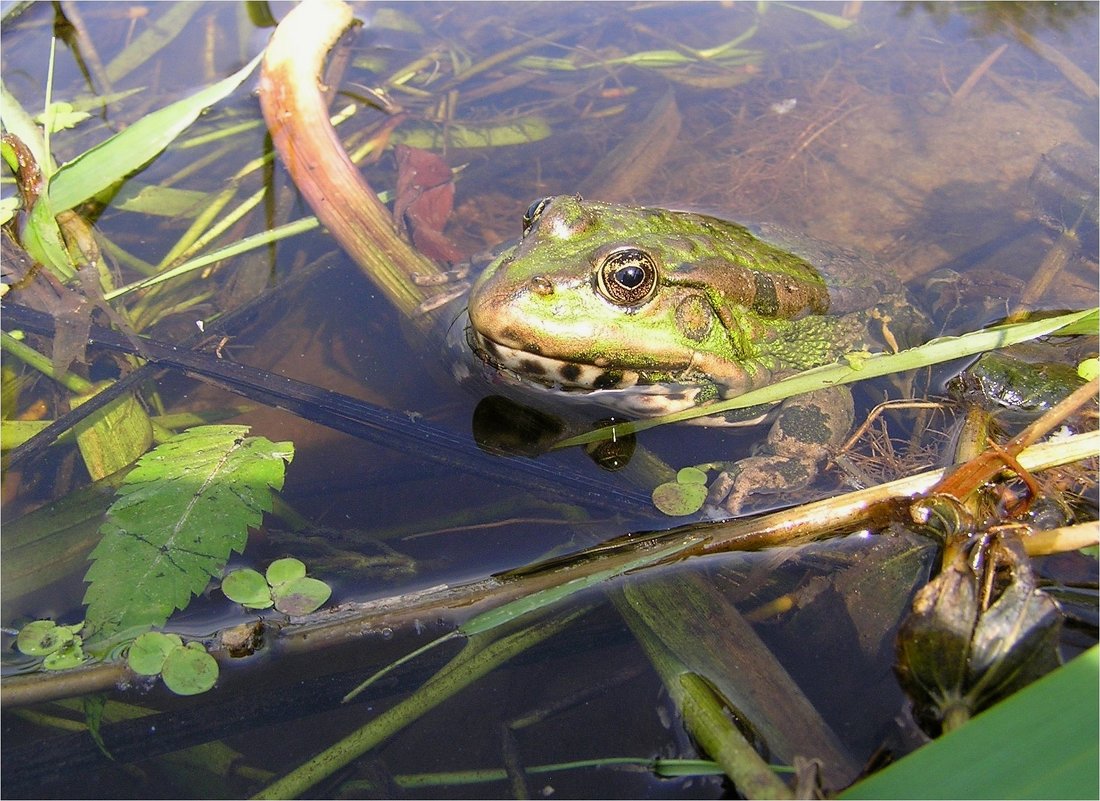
(297, 116)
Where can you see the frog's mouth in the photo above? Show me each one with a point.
(627, 391)
(548, 371)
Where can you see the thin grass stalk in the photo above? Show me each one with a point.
(476, 659)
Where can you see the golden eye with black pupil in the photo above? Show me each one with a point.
(530, 217)
(627, 277)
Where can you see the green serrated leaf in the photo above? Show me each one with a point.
(180, 513)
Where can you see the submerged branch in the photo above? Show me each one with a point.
(810, 522)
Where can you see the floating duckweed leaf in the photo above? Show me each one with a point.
(301, 596)
(283, 570)
(42, 637)
(1089, 368)
(691, 475)
(674, 498)
(147, 654)
(189, 670)
(67, 656)
(248, 588)
(180, 512)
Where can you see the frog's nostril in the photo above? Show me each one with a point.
(541, 285)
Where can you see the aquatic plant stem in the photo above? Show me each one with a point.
(476, 659)
(296, 114)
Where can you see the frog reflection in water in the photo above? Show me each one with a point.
(649, 311)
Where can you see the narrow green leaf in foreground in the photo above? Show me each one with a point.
(112, 160)
(179, 514)
(1039, 743)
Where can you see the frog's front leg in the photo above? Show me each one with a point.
(807, 430)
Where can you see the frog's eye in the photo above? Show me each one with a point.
(532, 214)
(627, 277)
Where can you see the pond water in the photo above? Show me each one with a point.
(954, 143)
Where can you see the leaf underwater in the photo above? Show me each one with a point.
(179, 514)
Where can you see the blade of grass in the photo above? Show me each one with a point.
(242, 246)
(475, 660)
(112, 160)
(1039, 743)
(877, 364)
(150, 41)
(536, 601)
(688, 628)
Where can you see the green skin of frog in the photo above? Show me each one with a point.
(650, 311)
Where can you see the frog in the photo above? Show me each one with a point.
(649, 311)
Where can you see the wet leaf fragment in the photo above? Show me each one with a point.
(684, 496)
(976, 634)
(424, 200)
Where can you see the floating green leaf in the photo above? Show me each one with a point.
(147, 654)
(181, 511)
(42, 637)
(285, 586)
(685, 495)
(69, 655)
(248, 588)
(189, 670)
(283, 570)
(301, 596)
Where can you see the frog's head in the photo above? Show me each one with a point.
(602, 296)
